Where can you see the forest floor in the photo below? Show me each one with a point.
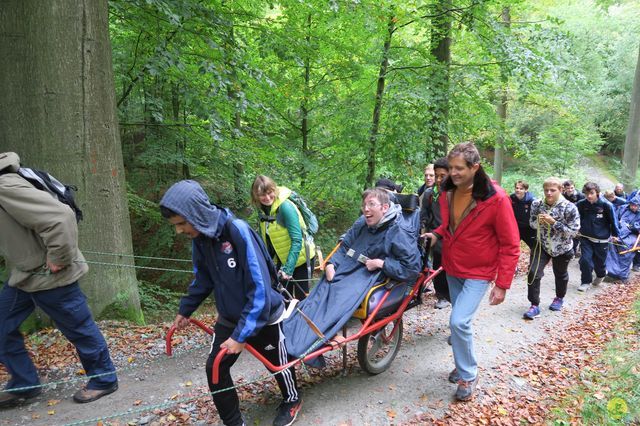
(526, 367)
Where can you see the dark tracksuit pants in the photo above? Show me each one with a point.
(270, 343)
(528, 235)
(440, 284)
(538, 260)
(67, 307)
(593, 257)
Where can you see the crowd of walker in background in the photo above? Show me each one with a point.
(601, 229)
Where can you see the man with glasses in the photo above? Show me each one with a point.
(376, 247)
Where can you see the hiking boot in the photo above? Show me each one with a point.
(454, 376)
(584, 287)
(441, 304)
(85, 395)
(533, 312)
(597, 281)
(466, 389)
(9, 399)
(556, 305)
(287, 413)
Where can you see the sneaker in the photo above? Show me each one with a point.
(454, 377)
(466, 389)
(9, 399)
(85, 395)
(441, 304)
(533, 312)
(556, 305)
(287, 413)
(597, 281)
(584, 287)
(635, 268)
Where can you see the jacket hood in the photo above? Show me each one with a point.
(390, 216)
(188, 199)
(9, 160)
(528, 198)
(635, 200)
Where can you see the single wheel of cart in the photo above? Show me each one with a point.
(377, 350)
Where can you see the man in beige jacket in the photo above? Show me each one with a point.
(39, 242)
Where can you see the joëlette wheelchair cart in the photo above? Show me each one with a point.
(379, 336)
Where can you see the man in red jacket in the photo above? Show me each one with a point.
(480, 244)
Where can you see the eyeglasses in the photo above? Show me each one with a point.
(370, 205)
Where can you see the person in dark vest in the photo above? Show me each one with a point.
(231, 262)
(39, 241)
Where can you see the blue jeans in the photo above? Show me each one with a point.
(594, 256)
(67, 307)
(466, 295)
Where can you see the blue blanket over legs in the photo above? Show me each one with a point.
(619, 265)
(331, 303)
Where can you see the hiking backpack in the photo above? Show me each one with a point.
(45, 182)
(309, 218)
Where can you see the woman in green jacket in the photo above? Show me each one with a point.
(284, 232)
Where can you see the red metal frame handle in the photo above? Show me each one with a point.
(172, 329)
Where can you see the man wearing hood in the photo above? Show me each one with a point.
(231, 262)
(39, 241)
(378, 245)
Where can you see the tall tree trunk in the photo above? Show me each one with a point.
(58, 112)
(441, 51)
(304, 107)
(234, 96)
(377, 107)
(632, 141)
(501, 109)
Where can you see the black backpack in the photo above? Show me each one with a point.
(45, 182)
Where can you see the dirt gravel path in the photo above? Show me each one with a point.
(415, 384)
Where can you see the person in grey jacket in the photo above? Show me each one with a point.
(39, 242)
(558, 222)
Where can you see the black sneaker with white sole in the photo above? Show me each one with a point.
(287, 413)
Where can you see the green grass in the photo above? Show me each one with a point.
(610, 391)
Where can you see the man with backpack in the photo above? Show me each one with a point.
(230, 261)
(39, 241)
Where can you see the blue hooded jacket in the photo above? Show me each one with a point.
(229, 260)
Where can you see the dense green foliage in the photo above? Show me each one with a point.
(221, 91)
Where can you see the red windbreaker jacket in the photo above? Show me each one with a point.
(486, 244)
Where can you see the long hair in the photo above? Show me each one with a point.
(482, 186)
(262, 185)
